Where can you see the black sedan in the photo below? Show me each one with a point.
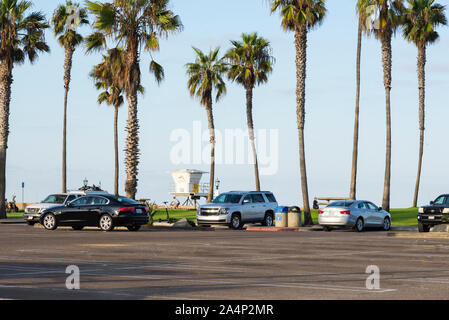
(103, 211)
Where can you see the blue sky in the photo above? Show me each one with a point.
(34, 153)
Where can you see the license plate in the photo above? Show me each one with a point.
(30, 218)
(139, 211)
(431, 218)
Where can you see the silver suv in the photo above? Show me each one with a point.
(236, 208)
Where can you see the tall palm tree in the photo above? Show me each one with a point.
(111, 93)
(108, 77)
(205, 76)
(21, 37)
(301, 16)
(388, 19)
(137, 25)
(66, 18)
(420, 19)
(250, 64)
(355, 150)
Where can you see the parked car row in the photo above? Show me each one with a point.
(81, 209)
(237, 208)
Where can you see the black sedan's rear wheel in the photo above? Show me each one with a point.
(106, 223)
(50, 222)
(423, 227)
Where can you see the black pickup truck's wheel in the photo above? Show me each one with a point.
(423, 227)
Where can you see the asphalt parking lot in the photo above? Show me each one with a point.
(219, 265)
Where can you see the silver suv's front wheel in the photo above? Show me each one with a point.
(236, 222)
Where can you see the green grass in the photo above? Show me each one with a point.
(17, 215)
(175, 214)
(404, 217)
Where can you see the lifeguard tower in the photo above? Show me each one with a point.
(187, 183)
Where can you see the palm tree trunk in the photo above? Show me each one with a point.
(6, 80)
(249, 116)
(422, 93)
(386, 61)
(67, 76)
(210, 119)
(116, 176)
(355, 152)
(301, 64)
(132, 148)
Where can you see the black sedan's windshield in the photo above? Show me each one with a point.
(55, 198)
(228, 198)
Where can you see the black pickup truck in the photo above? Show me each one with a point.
(434, 214)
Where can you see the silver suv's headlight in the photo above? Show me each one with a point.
(223, 211)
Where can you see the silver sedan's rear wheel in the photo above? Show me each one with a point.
(50, 222)
(359, 225)
(387, 224)
(106, 223)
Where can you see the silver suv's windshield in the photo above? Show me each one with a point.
(228, 198)
(55, 198)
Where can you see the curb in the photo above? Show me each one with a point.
(144, 228)
(412, 235)
(170, 228)
(274, 229)
(12, 221)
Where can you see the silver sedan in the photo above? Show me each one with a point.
(354, 214)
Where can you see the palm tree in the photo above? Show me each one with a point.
(301, 16)
(137, 25)
(355, 150)
(388, 20)
(250, 64)
(205, 76)
(111, 93)
(420, 20)
(21, 37)
(66, 18)
(108, 77)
